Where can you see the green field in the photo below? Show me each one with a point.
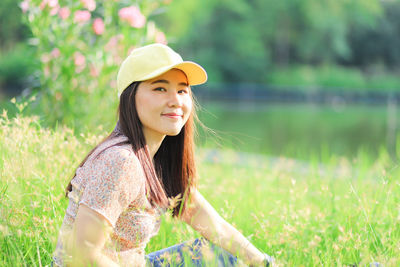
(343, 212)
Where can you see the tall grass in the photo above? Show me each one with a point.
(345, 212)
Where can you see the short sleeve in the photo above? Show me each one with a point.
(116, 178)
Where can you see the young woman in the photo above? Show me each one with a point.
(125, 183)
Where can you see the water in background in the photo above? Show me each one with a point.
(301, 130)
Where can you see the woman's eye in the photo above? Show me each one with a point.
(161, 89)
(183, 91)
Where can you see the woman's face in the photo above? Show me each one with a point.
(164, 104)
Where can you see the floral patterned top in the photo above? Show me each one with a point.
(112, 183)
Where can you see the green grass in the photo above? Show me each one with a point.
(347, 213)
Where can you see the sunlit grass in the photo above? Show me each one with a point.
(305, 214)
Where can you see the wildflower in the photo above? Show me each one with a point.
(54, 10)
(89, 4)
(98, 26)
(52, 3)
(80, 61)
(94, 72)
(4, 230)
(55, 52)
(112, 43)
(43, 4)
(64, 13)
(24, 5)
(45, 58)
(160, 38)
(133, 16)
(49, 3)
(174, 201)
(81, 16)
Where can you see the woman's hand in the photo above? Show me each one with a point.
(202, 217)
(267, 261)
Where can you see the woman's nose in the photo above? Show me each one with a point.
(175, 99)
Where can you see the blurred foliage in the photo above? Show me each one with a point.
(243, 41)
(17, 60)
(327, 77)
(330, 43)
(11, 28)
(17, 68)
(378, 46)
(81, 45)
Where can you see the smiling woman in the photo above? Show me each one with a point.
(144, 167)
(164, 104)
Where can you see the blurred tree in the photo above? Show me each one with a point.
(12, 30)
(380, 45)
(221, 37)
(81, 44)
(239, 40)
(17, 60)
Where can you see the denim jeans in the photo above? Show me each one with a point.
(199, 252)
(196, 253)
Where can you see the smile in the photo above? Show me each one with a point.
(172, 115)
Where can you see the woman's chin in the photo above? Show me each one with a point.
(173, 132)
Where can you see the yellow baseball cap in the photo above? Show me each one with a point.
(152, 60)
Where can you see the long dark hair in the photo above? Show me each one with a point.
(172, 172)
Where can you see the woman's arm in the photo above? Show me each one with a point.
(87, 239)
(204, 219)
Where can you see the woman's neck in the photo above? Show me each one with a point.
(153, 141)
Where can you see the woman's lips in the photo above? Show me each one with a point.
(172, 115)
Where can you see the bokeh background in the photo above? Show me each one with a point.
(301, 79)
(299, 137)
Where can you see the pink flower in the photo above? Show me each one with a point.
(43, 4)
(24, 5)
(133, 16)
(45, 58)
(81, 16)
(54, 10)
(79, 59)
(94, 72)
(98, 26)
(89, 4)
(52, 3)
(80, 62)
(64, 13)
(160, 38)
(55, 52)
(46, 71)
(113, 42)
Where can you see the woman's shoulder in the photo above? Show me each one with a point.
(115, 147)
(118, 155)
(117, 165)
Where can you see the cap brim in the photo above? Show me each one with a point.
(194, 72)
